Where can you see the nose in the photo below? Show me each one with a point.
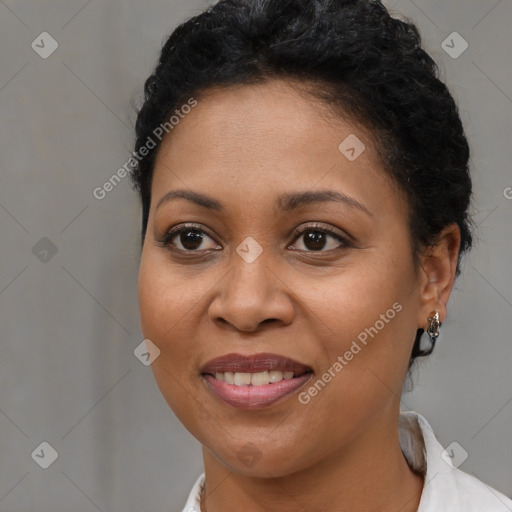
(252, 295)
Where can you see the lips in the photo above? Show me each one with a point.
(254, 381)
(255, 363)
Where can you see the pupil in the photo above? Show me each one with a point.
(316, 239)
(191, 239)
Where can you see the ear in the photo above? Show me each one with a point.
(438, 264)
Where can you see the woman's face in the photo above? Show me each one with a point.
(297, 247)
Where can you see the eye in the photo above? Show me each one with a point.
(193, 238)
(315, 238)
(188, 238)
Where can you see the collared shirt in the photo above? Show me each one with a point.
(446, 488)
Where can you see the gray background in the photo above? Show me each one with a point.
(69, 325)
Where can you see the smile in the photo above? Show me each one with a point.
(254, 381)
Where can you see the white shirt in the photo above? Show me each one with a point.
(446, 488)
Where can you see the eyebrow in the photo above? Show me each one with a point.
(285, 202)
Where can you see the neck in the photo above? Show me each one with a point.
(370, 474)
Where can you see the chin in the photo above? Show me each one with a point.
(258, 459)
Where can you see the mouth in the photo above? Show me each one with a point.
(254, 381)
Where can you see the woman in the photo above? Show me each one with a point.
(305, 191)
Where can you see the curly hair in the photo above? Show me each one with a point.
(354, 57)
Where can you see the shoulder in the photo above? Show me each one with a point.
(446, 487)
(476, 496)
(194, 497)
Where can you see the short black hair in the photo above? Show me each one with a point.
(355, 57)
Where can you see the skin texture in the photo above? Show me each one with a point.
(245, 146)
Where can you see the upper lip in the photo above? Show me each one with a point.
(253, 363)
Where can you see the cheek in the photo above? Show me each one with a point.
(366, 344)
(155, 294)
(166, 303)
(367, 314)
(368, 293)
(166, 310)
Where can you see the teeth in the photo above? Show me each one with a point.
(259, 379)
(254, 379)
(242, 379)
(276, 376)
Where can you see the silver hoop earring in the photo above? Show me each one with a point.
(433, 327)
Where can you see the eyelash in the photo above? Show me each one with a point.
(172, 233)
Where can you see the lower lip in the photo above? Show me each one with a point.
(255, 396)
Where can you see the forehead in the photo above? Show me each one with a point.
(276, 114)
(263, 139)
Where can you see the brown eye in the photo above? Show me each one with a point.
(319, 239)
(189, 239)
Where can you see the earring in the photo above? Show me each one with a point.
(433, 327)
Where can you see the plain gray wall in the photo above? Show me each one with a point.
(68, 375)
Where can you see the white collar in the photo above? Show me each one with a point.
(446, 488)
